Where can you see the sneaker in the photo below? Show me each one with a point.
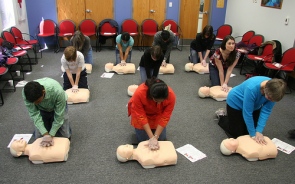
(292, 133)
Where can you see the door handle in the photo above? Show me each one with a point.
(152, 11)
(88, 11)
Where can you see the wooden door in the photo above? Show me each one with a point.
(149, 9)
(99, 10)
(77, 10)
(71, 9)
(189, 16)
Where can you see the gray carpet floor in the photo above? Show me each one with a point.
(101, 125)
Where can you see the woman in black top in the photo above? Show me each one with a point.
(200, 47)
(150, 63)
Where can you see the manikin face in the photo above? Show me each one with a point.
(230, 45)
(19, 145)
(125, 151)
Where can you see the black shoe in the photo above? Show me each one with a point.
(292, 133)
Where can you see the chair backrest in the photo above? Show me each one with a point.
(174, 26)
(289, 57)
(256, 39)
(66, 26)
(149, 26)
(8, 36)
(48, 27)
(88, 27)
(130, 26)
(17, 34)
(108, 28)
(247, 36)
(267, 50)
(223, 31)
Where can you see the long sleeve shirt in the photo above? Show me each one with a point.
(202, 44)
(144, 110)
(86, 45)
(247, 98)
(148, 63)
(166, 46)
(54, 100)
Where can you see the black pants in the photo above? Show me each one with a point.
(236, 123)
(82, 82)
(168, 59)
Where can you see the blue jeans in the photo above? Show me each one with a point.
(214, 75)
(118, 59)
(143, 73)
(141, 135)
(88, 58)
(194, 57)
(48, 118)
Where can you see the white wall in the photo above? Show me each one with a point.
(21, 22)
(245, 15)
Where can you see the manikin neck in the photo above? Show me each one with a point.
(27, 149)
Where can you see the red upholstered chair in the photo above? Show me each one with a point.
(286, 66)
(19, 39)
(47, 28)
(107, 28)
(246, 37)
(149, 27)
(66, 29)
(254, 41)
(88, 28)
(130, 26)
(176, 30)
(223, 31)
(19, 54)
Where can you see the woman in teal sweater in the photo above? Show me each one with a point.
(250, 103)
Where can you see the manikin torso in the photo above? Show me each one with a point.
(214, 92)
(168, 69)
(56, 153)
(119, 69)
(199, 68)
(165, 156)
(249, 148)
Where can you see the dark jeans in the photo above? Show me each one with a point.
(214, 75)
(236, 122)
(82, 82)
(48, 118)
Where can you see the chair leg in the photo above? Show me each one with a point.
(57, 47)
(2, 100)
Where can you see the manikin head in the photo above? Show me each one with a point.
(124, 152)
(109, 67)
(229, 146)
(188, 67)
(204, 92)
(17, 147)
(131, 89)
